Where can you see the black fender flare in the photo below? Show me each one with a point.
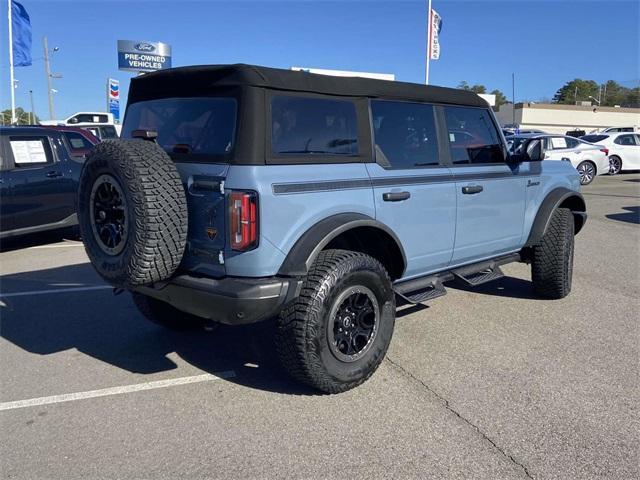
(553, 200)
(310, 244)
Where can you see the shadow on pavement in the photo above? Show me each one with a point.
(511, 287)
(632, 215)
(37, 239)
(110, 329)
(636, 180)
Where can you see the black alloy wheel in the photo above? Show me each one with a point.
(354, 323)
(108, 209)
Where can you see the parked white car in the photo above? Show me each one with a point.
(624, 149)
(635, 128)
(590, 160)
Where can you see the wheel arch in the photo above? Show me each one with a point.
(558, 198)
(346, 231)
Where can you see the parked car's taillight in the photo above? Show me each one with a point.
(243, 220)
(605, 151)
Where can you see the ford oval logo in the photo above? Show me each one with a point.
(144, 47)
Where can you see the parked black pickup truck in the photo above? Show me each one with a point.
(38, 181)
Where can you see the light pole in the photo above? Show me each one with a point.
(33, 110)
(50, 76)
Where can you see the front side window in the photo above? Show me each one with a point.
(313, 126)
(186, 126)
(30, 151)
(405, 134)
(473, 137)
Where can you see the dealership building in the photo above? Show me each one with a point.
(554, 118)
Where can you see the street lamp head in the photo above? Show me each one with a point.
(56, 49)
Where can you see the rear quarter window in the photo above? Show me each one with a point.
(188, 128)
(76, 141)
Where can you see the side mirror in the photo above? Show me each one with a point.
(530, 151)
(535, 150)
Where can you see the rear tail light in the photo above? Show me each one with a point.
(243, 220)
(605, 151)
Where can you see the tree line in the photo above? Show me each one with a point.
(608, 94)
(23, 117)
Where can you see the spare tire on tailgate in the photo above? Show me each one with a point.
(132, 212)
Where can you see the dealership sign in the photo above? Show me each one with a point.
(113, 97)
(138, 56)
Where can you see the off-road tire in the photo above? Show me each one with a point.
(156, 212)
(165, 315)
(552, 262)
(302, 335)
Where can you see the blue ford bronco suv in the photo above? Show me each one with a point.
(241, 193)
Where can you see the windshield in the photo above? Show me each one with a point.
(193, 126)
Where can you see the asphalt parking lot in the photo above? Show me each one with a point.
(491, 383)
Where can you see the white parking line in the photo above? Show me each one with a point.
(68, 244)
(54, 290)
(70, 397)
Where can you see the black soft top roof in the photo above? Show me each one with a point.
(205, 79)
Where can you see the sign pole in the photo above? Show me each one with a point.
(13, 85)
(429, 26)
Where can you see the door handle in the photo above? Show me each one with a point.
(53, 174)
(472, 189)
(395, 196)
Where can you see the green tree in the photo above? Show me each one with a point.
(501, 99)
(472, 88)
(23, 117)
(575, 91)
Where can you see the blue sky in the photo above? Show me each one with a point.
(545, 43)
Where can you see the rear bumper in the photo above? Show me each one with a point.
(230, 300)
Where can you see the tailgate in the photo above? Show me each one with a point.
(204, 187)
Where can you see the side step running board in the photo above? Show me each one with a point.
(423, 289)
(426, 288)
(484, 272)
(478, 278)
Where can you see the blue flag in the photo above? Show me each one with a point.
(21, 30)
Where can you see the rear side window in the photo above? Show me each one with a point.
(77, 141)
(30, 151)
(405, 134)
(594, 138)
(472, 136)
(197, 127)
(313, 126)
(89, 118)
(572, 142)
(625, 140)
